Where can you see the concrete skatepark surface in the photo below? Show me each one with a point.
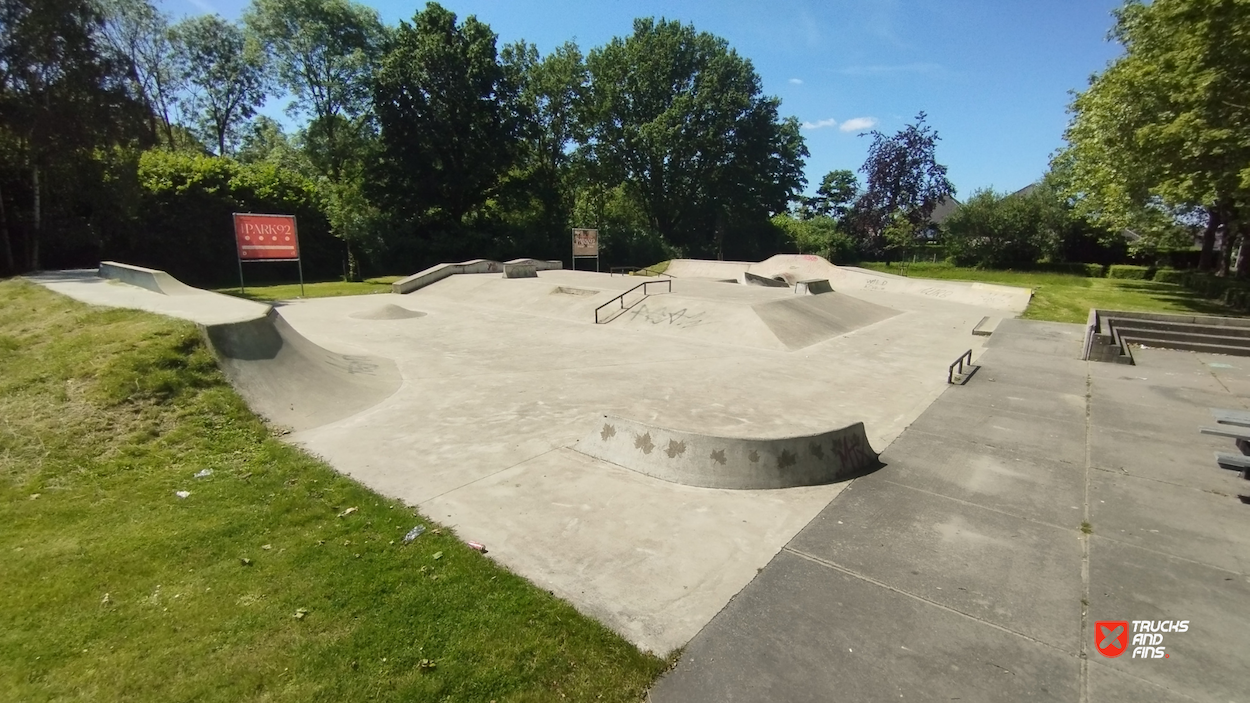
(500, 378)
(960, 570)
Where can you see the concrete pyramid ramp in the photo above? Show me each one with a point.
(704, 268)
(797, 267)
(292, 381)
(802, 321)
(390, 311)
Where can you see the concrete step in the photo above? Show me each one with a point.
(1172, 327)
(1145, 338)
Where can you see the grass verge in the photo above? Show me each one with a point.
(262, 583)
(328, 289)
(1061, 297)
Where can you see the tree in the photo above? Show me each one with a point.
(61, 98)
(447, 113)
(1164, 129)
(904, 183)
(837, 192)
(225, 75)
(139, 33)
(679, 117)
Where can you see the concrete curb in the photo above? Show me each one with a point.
(731, 462)
(154, 280)
(439, 272)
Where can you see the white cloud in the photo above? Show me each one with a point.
(855, 124)
(820, 124)
(797, 81)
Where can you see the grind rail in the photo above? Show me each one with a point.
(621, 298)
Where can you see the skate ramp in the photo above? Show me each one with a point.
(154, 280)
(293, 382)
(797, 267)
(802, 321)
(703, 268)
(731, 462)
(389, 311)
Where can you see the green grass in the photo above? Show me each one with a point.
(113, 588)
(1061, 297)
(330, 289)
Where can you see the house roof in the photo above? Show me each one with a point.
(945, 208)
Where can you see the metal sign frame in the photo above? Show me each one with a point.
(239, 253)
(594, 256)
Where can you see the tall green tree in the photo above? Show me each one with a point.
(61, 98)
(837, 192)
(225, 77)
(903, 184)
(1165, 128)
(448, 118)
(680, 118)
(139, 33)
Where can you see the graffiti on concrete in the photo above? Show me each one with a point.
(644, 443)
(718, 456)
(680, 318)
(786, 459)
(608, 432)
(817, 450)
(936, 292)
(754, 456)
(675, 449)
(875, 284)
(851, 451)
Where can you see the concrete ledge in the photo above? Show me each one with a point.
(731, 462)
(813, 286)
(511, 270)
(154, 280)
(438, 272)
(539, 264)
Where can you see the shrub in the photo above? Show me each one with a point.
(1125, 271)
(1169, 275)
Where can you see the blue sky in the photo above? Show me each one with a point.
(993, 75)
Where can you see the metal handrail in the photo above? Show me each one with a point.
(950, 371)
(630, 269)
(621, 298)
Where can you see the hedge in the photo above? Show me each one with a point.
(1137, 273)
(1168, 275)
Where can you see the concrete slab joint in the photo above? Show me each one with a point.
(710, 461)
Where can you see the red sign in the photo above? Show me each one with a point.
(266, 237)
(1111, 637)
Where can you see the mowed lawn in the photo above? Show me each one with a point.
(327, 289)
(1067, 298)
(274, 579)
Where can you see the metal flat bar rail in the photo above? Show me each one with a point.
(621, 298)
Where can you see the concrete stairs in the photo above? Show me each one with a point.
(1110, 334)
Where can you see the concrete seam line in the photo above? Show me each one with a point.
(978, 505)
(882, 584)
(493, 473)
(1195, 562)
(1148, 681)
(1119, 472)
(983, 444)
(1085, 539)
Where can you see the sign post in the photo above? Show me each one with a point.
(267, 238)
(586, 246)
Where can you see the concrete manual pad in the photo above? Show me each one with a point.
(1029, 435)
(1206, 663)
(1051, 405)
(1182, 522)
(1169, 460)
(1038, 489)
(805, 631)
(1021, 575)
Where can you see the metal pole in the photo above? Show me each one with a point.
(241, 289)
(300, 262)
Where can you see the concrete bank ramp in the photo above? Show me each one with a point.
(731, 462)
(797, 267)
(293, 382)
(281, 374)
(703, 268)
(802, 321)
(154, 280)
(390, 311)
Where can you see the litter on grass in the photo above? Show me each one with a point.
(204, 473)
(414, 533)
(182, 494)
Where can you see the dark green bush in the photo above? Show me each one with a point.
(1125, 271)
(1171, 276)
